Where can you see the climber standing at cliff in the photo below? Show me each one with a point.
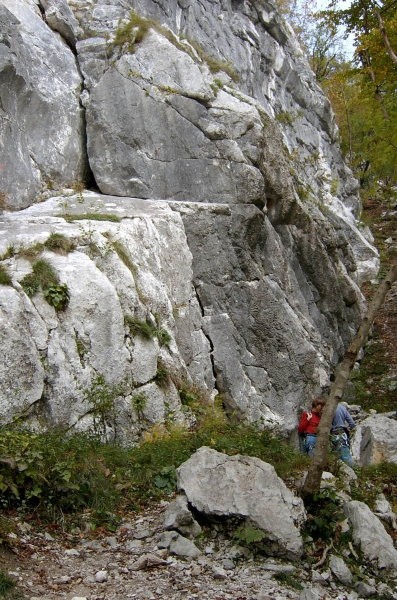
(308, 425)
(341, 427)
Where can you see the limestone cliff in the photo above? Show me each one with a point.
(216, 244)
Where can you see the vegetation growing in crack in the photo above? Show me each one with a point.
(135, 29)
(5, 277)
(91, 217)
(148, 330)
(44, 277)
(57, 242)
(101, 398)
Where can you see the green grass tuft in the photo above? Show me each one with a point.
(5, 278)
(91, 217)
(57, 242)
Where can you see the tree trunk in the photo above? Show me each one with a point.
(385, 38)
(342, 373)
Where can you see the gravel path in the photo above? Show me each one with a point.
(129, 564)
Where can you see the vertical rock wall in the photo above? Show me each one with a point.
(203, 130)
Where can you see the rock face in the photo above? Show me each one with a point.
(42, 134)
(247, 489)
(238, 238)
(376, 440)
(370, 535)
(118, 274)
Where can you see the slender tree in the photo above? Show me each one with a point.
(319, 460)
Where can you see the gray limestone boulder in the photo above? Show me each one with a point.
(375, 440)
(42, 133)
(340, 570)
(178, 516)
(370, 536)
(179, 545)
(247, 489)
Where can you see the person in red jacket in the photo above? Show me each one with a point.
(308, 425)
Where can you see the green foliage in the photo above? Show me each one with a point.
(44, 273)
(286, 118)
(247, 535)
(324, 512)
(215, 65)
(30, 285)
(45, 277)
(139, 402)
(374, 480)
(53, 472)
(139, 327)
(31, 252)
(371, 386)
(92, 217)
(147, 330)
(9, 253)
(189, 395)
(58, 242)
(162, 377)
(5, 278)
(57, 296)
(132, 32)
(166, 479)
(7, 586)
(101, 398)
(286, 579)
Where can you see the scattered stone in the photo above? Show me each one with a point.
(72, 552)
(340, 570)
(179, 517)
(219, 572)
(101, 576)
(147, 561)
(365, 590)
(228, 564)
(181, 546)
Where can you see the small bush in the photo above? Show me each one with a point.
(374, 480)
(7, 586)
(162, 377)
(139, 402)
(44, 273)
(132, 32)
(147, 330)
(30, 285)
(9, 253)
(324, 512)
(286, 579)
(250, 536)
(5, 278)
(101, 398)
(57, 296)
(58, 242)
(31, 252)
